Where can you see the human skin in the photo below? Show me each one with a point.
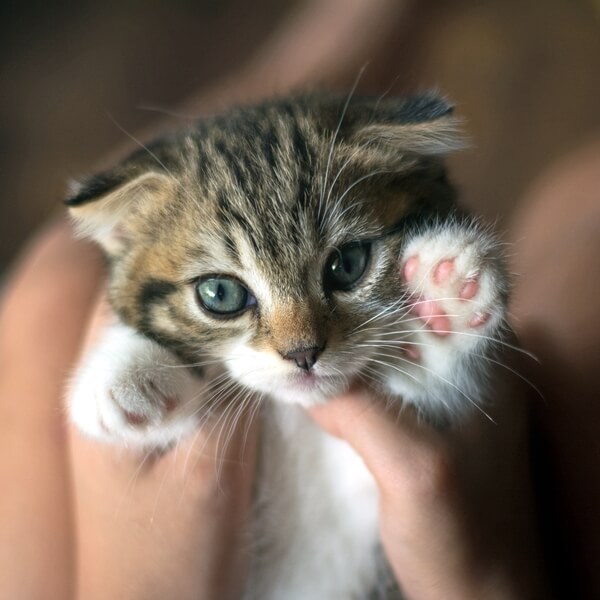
(45, 306)
(556, 248)
(87, 520)
(426, 483)
(495, 530)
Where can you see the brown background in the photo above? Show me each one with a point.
(524, 74)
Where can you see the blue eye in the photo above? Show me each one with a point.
(346, 266)
(223, 296)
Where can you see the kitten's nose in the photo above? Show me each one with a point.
(305, 358)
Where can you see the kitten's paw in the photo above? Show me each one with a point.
(131, 390)
(455, 293)
(455, 284)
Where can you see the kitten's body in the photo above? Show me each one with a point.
(292, 248)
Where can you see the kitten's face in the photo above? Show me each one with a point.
(268, 242)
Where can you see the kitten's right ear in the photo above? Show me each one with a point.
(104, 206)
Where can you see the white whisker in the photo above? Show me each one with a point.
(336, 133)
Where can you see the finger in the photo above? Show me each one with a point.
(395, 444)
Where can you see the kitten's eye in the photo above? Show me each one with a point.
(224, 296)
(346, 265)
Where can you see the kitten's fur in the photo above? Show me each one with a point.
(266, 195)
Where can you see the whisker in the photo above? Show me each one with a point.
(467, 334)
(167, 112)
(351, 187)
(461, 392)
(395, 367)
(336, 133)
(384, 311)
(253, 415)
(514, 371)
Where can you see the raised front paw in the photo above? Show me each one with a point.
(131, 390)
(456, 287)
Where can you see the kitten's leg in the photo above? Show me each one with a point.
(457, 294)
(129, 389)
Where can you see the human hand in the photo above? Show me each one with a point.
(456, 506)
(45, 303)
(91, 520)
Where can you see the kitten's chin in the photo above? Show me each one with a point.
(308, 390)
(306, 398)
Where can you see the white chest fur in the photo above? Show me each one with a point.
(316, 529)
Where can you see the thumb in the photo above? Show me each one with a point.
(395, 446)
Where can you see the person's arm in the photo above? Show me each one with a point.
(45, 305)
(168, 526)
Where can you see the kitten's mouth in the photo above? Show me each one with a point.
(305, 381)
(315, 383)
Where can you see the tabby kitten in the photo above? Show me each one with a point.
(291, 247)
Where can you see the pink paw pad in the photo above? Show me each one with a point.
(450, 289)
(169, 402)
(469, 290)
(434, 316)
(443, 271)
(479, 319)
(410, 268)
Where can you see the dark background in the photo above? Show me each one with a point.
(524, 74)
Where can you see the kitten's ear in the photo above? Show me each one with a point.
(104, 207)
(393, 134)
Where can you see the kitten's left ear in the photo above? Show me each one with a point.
(106, 206)
(393, 134)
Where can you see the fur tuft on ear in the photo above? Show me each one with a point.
(429, 138)
(394, 134)
(102, 206)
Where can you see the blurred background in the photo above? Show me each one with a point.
(76, 77)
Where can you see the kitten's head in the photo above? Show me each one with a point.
(269, 238)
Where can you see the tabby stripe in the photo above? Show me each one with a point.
(233, 164)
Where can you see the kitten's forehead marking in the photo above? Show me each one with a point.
(255, 274)
(210, 250)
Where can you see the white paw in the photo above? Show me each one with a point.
(454, 306)
(131, 390)
(455, 285)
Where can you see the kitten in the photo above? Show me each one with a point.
(292, 247)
